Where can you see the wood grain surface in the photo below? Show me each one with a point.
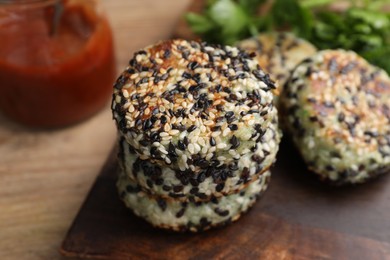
(45, 175)
(297, 218)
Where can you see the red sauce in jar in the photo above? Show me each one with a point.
(51, 80)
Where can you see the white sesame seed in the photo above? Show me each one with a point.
(191, 148)
(201, 141)
(232, 152)
(134, 76)
(162, 134)
(226, 132)
(221, 146)
(196, 148)
(216, 133)
(174, 132)
(147, 111)
(221, 158)
(162, 149)
(125, 93)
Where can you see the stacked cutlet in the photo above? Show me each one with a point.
(336, 108)
(198, 134)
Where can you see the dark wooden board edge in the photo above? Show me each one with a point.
(109, 166)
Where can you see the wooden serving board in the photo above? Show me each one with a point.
(297, 218)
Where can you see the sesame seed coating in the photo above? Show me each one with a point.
(278, 53)
(179, 99)
(336, 107)
(189, 216)
(214, 178)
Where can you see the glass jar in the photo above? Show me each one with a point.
(57, 61)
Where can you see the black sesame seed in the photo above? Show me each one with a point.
(328, 104)
(177, 188)
(193, 88)
(212, 141)
(347, 68)
(308, 72)
(329, 168)
(201, 177)
(172, 150)
(341, 117)
(185, 140)
(181, 145)
(186, 75)
(191, 128)
(226, 89)
(257, 158)
(147, 124)
(234, 142)
(201, 195)
(185, 54)
(162, 204)
(144, 142)
(155, 137)
(193, 65)
(180, 213)
(222, 213)
(131, 189)
(220, 187)
(166, 188)
(371, 133)
(167, 53)
(159, 181)
(233, 166)
(155, 153)
(132, 62)
(233, 127)
(229, 114)
(216, 128)
(194, 190)
(202, 163)
(163, 119)
(263, 113)
(194, 182)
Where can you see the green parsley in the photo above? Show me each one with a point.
(363, 27)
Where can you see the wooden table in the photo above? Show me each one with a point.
(45, 175)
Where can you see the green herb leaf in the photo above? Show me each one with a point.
(365, 30)
(199, 23)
